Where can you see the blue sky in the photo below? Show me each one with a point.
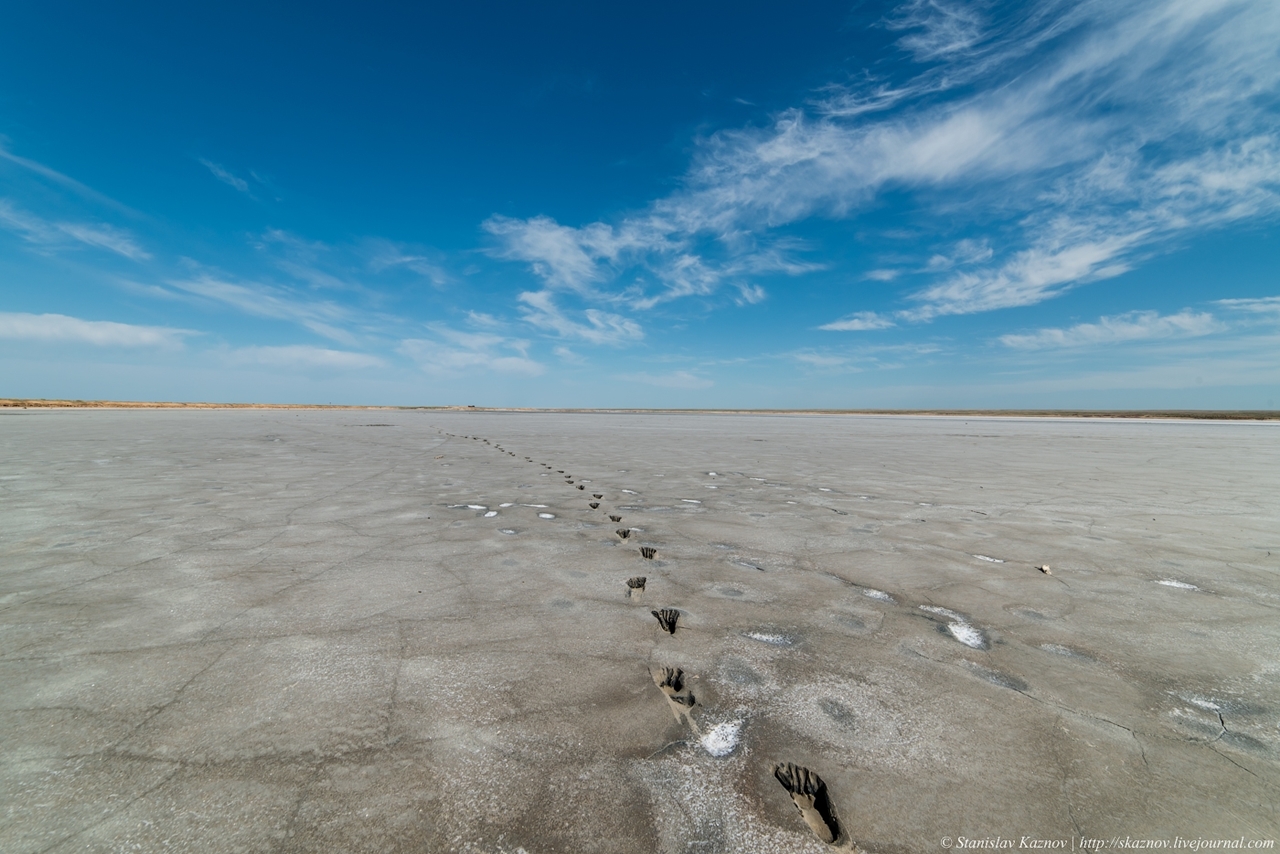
(858, 204)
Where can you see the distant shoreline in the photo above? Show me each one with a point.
(1192, 414)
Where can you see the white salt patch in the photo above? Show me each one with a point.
(506, 531)
(476, 507)
(546, 515)
(1056, 649)
(722, 738)
(1181, 585)
(713, 474)
(793, 502)
(991, 559)
(508, 504)
(823, 489)
(764, 637)
(630, 492)
(759, 479)
(943, 612)
(690, 501)
(924, 504)
(871, 593)
(533, 505)
(967, 635)
(490, 514)
(1207, 705)
(709, 486)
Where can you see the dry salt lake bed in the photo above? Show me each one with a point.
(375, 631)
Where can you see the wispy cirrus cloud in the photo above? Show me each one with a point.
(382, 255)
(1075, 139)
(825, 361)
(226, 176)
(675, 379)
(322, 317)
(662, 256)
(54, 234)
(452, 351)
(1255, 305)
(1118, 329)
(303, 356)
(539, 309)
(18, 326)
(937, 30)
(55, 177)
(859, 322)
(565, 258)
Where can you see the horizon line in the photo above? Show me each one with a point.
(1185, 414)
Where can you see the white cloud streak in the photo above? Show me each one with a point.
(1119, 329)
(52, 234)
(453, 351)
(60, 328)
(226, 176)
(937, 30)
(304, 357)
(601, 327)
(384, 255)
(57, 177)
(1256, 305)
(859, 322)
(675, 379)
(258, 300)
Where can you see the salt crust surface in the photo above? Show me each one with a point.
(485, 722)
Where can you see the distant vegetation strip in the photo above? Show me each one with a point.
(1211, 414)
